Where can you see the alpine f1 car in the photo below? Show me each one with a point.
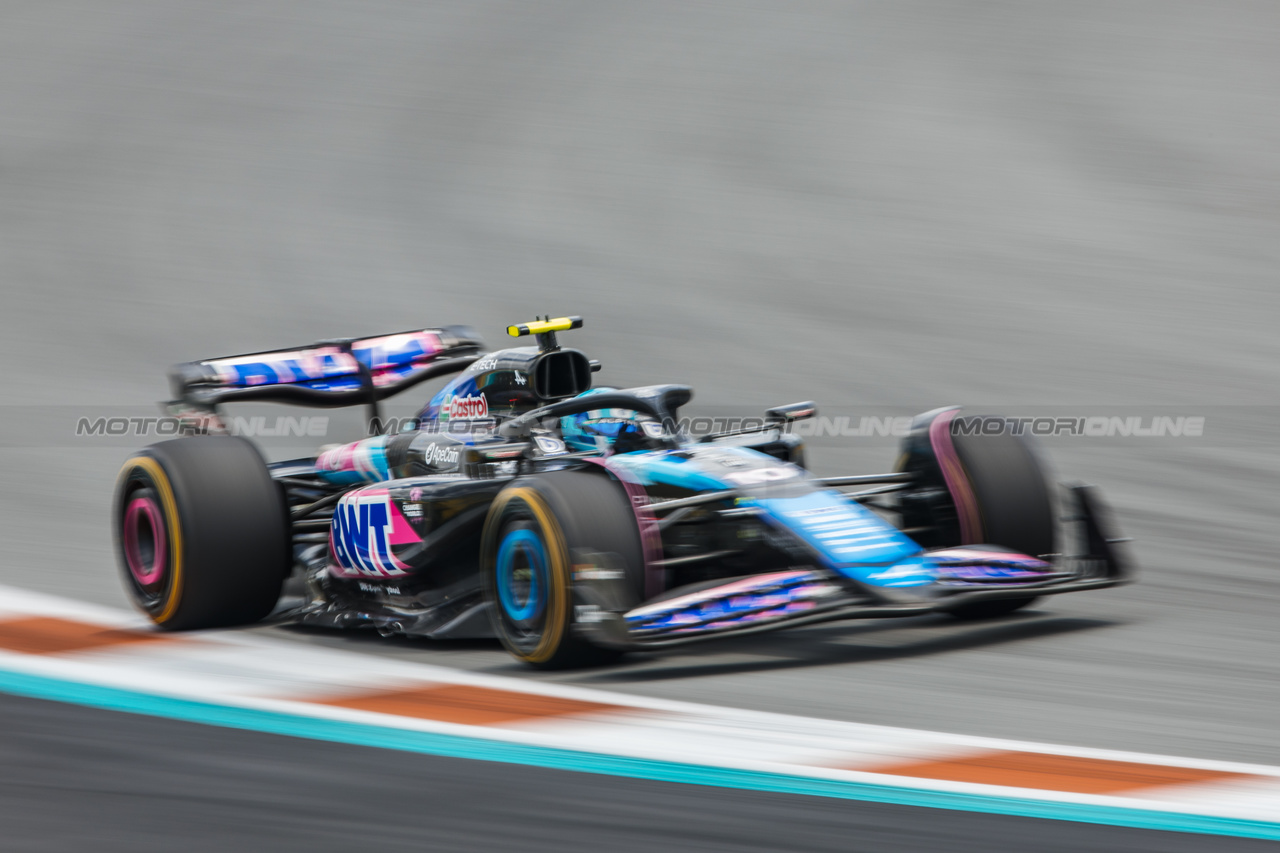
(574, 523)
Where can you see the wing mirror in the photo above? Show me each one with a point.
(784, 416)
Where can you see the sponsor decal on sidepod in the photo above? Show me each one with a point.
(365, 526)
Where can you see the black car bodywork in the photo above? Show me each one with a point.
(481, 520)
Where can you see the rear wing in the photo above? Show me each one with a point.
(329, 374)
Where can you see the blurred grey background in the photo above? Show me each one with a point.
(866, 203)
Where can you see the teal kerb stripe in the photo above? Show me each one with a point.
(457, 746)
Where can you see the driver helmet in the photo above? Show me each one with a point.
(600, 429)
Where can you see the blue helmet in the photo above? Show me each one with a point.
(599, 429)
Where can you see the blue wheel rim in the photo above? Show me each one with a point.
(526, 543)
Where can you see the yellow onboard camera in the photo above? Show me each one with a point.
(545, 329)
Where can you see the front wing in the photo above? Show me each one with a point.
(807, 596)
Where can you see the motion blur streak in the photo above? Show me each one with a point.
(898, 203)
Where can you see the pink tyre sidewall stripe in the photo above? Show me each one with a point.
(140, 511)
(957, 481)
(650, 539)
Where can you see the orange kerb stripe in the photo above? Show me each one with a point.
(1055, 772)
(475, 706)
(41, 635)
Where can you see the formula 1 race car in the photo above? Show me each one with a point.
(574, 523)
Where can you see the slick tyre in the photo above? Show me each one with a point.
(535, 530)
(1012, 505)
(201, 533)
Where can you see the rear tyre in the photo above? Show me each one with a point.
(536, 530)
(202, 533)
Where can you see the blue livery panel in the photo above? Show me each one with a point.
(850, 539)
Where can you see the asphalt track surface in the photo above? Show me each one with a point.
(110, 782)
(871, 204)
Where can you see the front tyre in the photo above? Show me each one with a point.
(201, 533)
(534, 529)
(977, 489)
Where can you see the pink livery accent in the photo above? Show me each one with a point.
(745, 585)
(979, 565)
(392, 350)
(401, 531)
(655, 577)
(390, 357)
(365, 459)
(956, 478)
(977, 556)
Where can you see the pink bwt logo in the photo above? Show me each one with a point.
(365, 526)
